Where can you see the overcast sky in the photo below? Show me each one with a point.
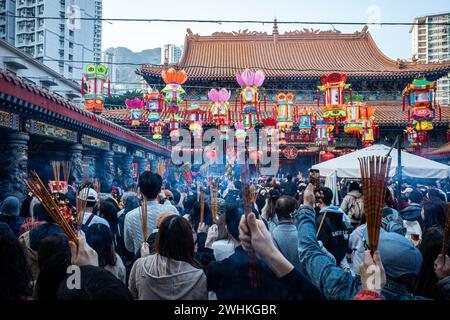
(394, 41)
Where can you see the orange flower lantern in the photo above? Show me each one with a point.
(173, 91)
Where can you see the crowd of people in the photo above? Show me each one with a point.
(294, 244)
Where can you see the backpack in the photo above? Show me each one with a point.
(356, 208)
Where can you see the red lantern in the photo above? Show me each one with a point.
(327, 156)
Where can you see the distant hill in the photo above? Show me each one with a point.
(125, 73)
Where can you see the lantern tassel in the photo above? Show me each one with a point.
(404, 102)
(265, 103)
(82, 86)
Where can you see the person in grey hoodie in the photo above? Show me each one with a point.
(171, 273)
(353, 204)
(285, 235)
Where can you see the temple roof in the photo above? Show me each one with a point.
(306, 54)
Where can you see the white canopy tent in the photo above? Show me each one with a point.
(347, 166)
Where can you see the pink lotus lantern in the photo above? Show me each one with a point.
(135, 108)
(249, 82)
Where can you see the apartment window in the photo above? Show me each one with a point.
(40, 36)
(41, 9)
(40, 49)
(70, 69)
(40, 23)
(71, 33)
(70, 57)
(71, 45)
(61, 43)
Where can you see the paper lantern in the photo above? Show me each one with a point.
(285, 110)
(323, 133)
(240, 131)
(249, 82)
(157, 130)
(173, 91)
(93, 85)
(135, 108)
(367, 114)
(353, 123)
(269, 127)
(306, 121)
(195, 113)
(421, 100)
(413, 137)
(152, 101)
(220, 110)
(333, 88)
(327, 156)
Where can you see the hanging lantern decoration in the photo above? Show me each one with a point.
(285, 111)
(353, 123)
(327, 156)
(421, 96)
(93, 85)
(195, 113)
(240, 131)
(220, 110)
(175, 123)
(157, 130)
(370, 128)
(153, 101)
(173, 91)
(135, 108)
(306, 121)
(413, 138)
(333, 86)
(269, 128)
(323, 133)
(249, 82)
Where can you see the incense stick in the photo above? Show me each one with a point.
(66, 171)
(202, 207)
(374, 174)
(143, 212)
(37, 187)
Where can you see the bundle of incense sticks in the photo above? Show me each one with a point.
(446, 233)
(253, 192)
(374, 174)
(214, 187)
(202, 207)
(37, 187)
(143, 212)
(198, 190)
(81, 204)
(56, 165)
(66, 171)
(253, 264)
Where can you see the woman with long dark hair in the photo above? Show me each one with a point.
(15, 277)
(171, 272)
(434, 215)
(430, 247)
(100, 238)
(268, 212)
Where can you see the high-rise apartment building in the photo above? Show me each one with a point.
(66, 44)
(431, 43)
(170, 54)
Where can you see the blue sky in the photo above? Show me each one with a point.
(394, 41)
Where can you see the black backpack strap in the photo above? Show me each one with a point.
(88, 221)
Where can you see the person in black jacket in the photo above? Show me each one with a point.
(290, 188)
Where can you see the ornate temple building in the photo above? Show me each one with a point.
(38, 127)
(294, 62)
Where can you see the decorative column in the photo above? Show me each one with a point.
(142, 164)
(127, 171)
(105, 170)
(75, 157)
(14, 166)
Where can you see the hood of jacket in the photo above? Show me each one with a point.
(171, 279)
(332, 209)
(355, 193)
(411, 212)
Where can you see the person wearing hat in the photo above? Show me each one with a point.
(400, 258)
(9, 214)
(89, 217)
